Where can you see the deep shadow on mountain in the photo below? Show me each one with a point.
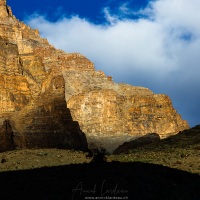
(128, 180)
(138, 142)
(189, 138)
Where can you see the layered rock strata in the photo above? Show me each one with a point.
(51, 98)
(111, 113)
(33, 110)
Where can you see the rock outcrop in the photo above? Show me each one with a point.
(33, 110)
(49, 97)
(139, 142)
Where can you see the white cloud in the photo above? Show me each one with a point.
(111, 19)
(160, 52)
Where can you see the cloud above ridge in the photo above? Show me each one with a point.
(159, 49)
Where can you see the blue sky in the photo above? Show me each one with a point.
(155, 44)
(89, 9)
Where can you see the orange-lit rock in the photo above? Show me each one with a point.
(33, 111)
(48, 97)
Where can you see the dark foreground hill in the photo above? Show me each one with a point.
(139, 175)
(104, 180)
(180, 151)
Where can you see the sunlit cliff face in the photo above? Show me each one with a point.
(48, 97)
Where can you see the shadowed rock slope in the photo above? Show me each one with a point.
(139, 142)
(48, 97)
(181, 151)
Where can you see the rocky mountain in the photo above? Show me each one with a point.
(49, 98)
(138, 142)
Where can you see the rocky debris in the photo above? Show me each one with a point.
(57, 99)
(141, 141)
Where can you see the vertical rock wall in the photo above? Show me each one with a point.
(33, 110)
(48, 97)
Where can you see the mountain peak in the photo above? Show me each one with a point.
(2, 2)
(5, 11)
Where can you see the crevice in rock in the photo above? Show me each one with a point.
(6, 137)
